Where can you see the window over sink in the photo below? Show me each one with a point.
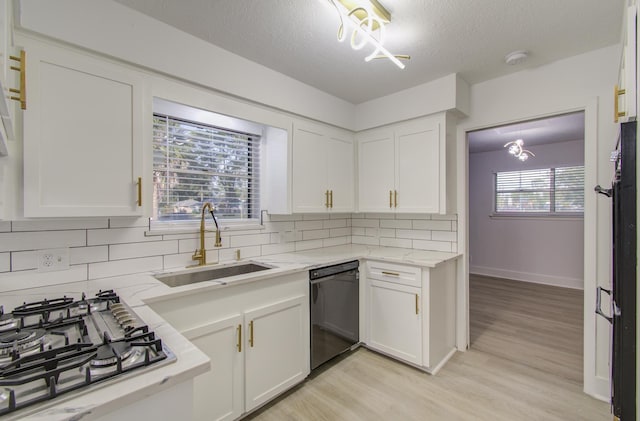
(200, 156)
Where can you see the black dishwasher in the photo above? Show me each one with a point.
(334, 297)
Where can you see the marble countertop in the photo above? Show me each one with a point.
(137, 290)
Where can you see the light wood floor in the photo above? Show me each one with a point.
(524, 364)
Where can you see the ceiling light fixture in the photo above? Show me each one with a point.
(516, 148)
(364, 19)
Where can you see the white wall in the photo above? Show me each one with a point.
(575, 83)
(543, 250)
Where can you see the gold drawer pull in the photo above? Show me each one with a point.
(390, 198)
(331, 199)
(390, 273)
(616, 113)
(139, 183)
(417, 308)
(23, 79)
(395, 198)
(251, 333)
(326, 199)
(239, 345)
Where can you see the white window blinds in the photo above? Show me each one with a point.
(548, 190)
(195, 163)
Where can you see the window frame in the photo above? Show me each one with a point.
(552, 213)
(159, 227)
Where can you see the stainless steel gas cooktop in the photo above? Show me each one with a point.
(51, 348)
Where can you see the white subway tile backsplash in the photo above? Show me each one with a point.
(229, 255)
(432, 245)
(24, 260)
(133, 250)
(101, 247)
(334, 223)
(128, 222)
(59, 225)
(365, 223)
(387, 232)
(444, 235)
(309, 225)
(182, 260)
(337, 241)
(340, 232)
(124, 267)
(370, 241)
(80, 255)
(432, 225)
(395, 223)
(35, 240)
(269, 249)
(249, 240)
(5, 262)
(414, 234)
(315, 234)
(316, 216)
(5, 226)
(413, 216)
(117, 236)
(380, 215)
(358, 231)
(371, 232)
(396, 242)
(308, 245)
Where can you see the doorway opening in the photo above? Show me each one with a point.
(526, 243)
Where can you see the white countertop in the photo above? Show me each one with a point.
(139, 289)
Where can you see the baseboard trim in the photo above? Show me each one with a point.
(535, 278)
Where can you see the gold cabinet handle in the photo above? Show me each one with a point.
(395, 198)
(326, 199)
(417, 300)
(331, 198)
(251, 333)
(390, 198)
(23, 79)
(616, 94)
(239, 344)
(390, 273)
(139, 183)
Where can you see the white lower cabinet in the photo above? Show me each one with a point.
(218, 393)
(274, 357)
(395, 321)
(410, 312)
(257, 337)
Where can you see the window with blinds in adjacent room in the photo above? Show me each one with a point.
(540, 191)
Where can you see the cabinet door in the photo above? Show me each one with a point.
(309, 180)
(395, 322)
(277, 345)
(82, 136)
(218, 393)
(375, 171)
(417, 162)
(340, 172)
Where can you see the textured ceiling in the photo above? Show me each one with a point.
(298, 37)
(536, 132)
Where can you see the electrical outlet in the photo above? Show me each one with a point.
(50, 260)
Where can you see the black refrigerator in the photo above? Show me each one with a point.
(623, 291)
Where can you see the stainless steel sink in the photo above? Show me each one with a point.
(209, 274)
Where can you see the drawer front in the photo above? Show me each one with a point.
(399, 274)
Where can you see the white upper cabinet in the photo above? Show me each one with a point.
(83, 136)
(625, 94)
(402, 168)
(322, 169)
